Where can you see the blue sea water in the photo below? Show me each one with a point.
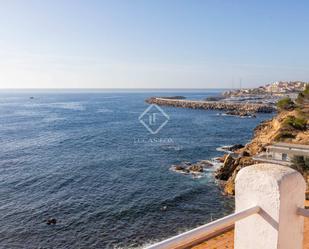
(85, 159)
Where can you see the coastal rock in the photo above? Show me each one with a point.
(229, 186)
(179, 167)
(232, 147)
(236, 147)
(222, 158)
(244, 153)
(51, 221)
(205, 163)
(192, 168)
(196, 168)
(225, 171)
(239, 163)
(241, 113)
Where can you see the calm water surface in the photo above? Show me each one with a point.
(85, 159)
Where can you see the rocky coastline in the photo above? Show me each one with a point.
(291, 125)
(243, 108)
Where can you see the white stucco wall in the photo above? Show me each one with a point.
(279, 191)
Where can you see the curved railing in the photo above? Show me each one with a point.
(201, 233)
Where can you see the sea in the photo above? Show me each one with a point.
(99, 163)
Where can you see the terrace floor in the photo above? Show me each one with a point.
(226, 239)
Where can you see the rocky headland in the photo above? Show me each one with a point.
(291, 125)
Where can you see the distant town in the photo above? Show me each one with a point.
(275, 88)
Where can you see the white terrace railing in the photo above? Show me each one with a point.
(201, 233)
(269, 212)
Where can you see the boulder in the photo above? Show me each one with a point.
(179, 167)
(226, 170)
(235, 147)
(229, 186)
(222, 159)
(196, 168)
(205, 163)
(51, 221)
(241, 113)
(232, 148)
(245, 153)
(246, 161)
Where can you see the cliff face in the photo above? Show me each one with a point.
(272, 130)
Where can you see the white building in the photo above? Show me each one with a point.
(282, 153)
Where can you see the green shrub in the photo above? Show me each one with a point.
(284, 135)
(285, 104)
(297, 123)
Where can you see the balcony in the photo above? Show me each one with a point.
(269, 214)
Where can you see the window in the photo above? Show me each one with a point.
(284, 157)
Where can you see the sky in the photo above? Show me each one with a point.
(152, 43)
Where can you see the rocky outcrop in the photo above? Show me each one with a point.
(241, 113)
(196, 168)
(239, 163)
(213, 105)
(191, 168)
(232, 148)
(51, 221)
(226, 170)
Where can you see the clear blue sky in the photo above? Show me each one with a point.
(152, 43)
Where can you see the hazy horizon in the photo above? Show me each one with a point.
(152, 44)
(113, 89)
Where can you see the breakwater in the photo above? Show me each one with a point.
(212, 105)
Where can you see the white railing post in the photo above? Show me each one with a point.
(280, 192)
